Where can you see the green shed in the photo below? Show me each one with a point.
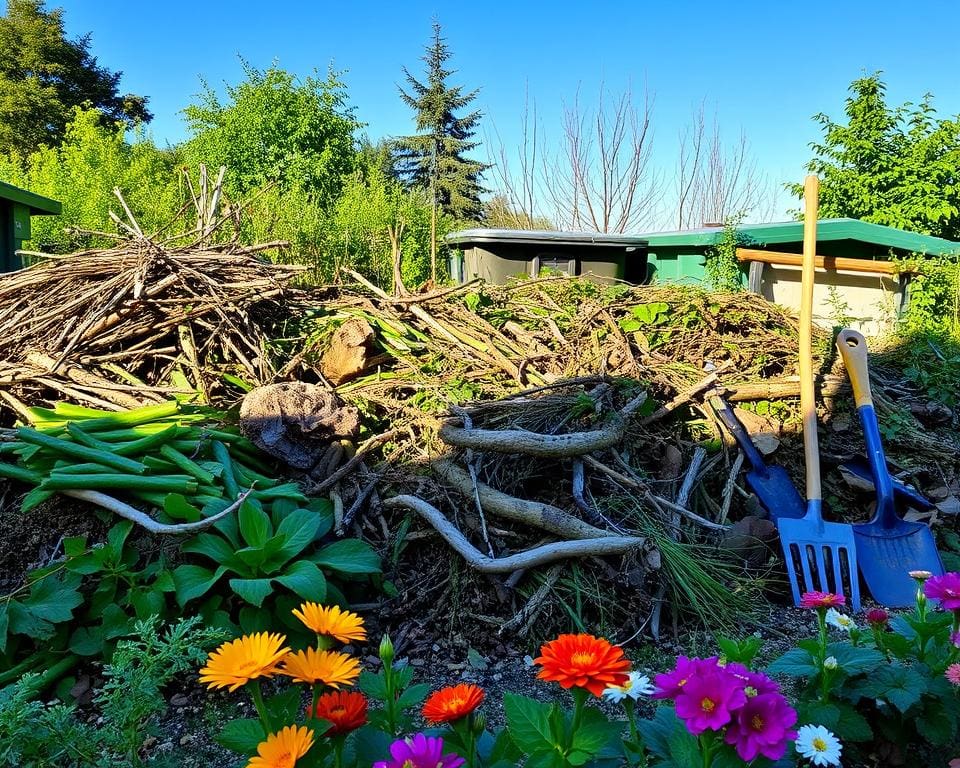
(853, 264)
(16, 207)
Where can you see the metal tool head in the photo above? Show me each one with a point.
(887, 555)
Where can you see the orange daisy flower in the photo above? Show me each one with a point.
(328, 667)
(283, 749)
(583, 661)
(452, 703)
(331, 620)
(237, 662)
(345, 710)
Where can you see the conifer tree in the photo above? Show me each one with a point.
(435, 158)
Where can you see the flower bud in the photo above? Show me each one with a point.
(878, 618)
(386, 650)
(830, 662)
(478, 721)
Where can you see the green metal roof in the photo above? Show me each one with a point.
(827, 229)
(38, 204)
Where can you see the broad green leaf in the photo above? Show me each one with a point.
(373, 685)
(87, 641)
(348, 556)
(595, 734)
(529, 723)
(851, 724)
(306, 579)
(413, 695)
(193, 581)
(22, 621)
(54, 598)
(855, 660)
(253, 591)
(795, 662)
(299, 528)
(283, 707)
(264, 559)
(116, 537)
(255, 526)
(74, 546)
(241, 736)
(178, 508)
(210, 545)
(115, 622)
(545, 758)
(147, 601)
(901, 686)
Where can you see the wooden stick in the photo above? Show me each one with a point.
(547, 553)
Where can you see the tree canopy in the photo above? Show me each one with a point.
(44, 76)
(436, 157)
(276, 128)
(898, 166)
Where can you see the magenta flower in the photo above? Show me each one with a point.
(953, 674)
(669, 685)
(821, 600)
(419, 751)
(707, 699)
(946, 589)
(762, 726)
(955, 639)
(877, 618)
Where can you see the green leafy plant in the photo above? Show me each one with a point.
(259, 551)
(721, 266)
(35, 734)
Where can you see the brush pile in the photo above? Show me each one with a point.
(553, 432)
(137, 323)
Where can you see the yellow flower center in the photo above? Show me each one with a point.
(455, 704)
(338, 711)
(285, 760)
(682, 683)
(582, 658)
(819, 744)
(757, 723)
(707, 704)
(750, 691)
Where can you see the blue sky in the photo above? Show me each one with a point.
(765, 67)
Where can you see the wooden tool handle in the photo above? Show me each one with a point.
(853, 350)
(808, 405)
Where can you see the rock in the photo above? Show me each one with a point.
(179, 700)
(348, 351)
(949, 506)
(751, 539)
(149, 742)
(938, 494)
(932, 413)
(187, 738)
(475, 660)
(671, 466)
(766, 442)
(297, 422)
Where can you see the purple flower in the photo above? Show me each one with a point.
(419, 751)
(707, 699)
(669, 685)
(762, 727)
(946, 589)
(955, 639)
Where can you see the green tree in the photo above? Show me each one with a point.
(275, 128)
(82, 173)
(898, 166)
(435, 158)
(43, 76)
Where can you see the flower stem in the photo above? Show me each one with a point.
(338, 751)
(313, 703)
(257, 695)
(579, 700)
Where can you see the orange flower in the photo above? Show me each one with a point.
(331, 620)
(239, 661)
(452, 703)
(327, 667)
(283, 749)
(346, 710)
(583, 661)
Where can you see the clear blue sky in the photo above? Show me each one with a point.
(766, 67)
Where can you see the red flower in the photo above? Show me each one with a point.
(583, 661)
(345, 710)
(821, 600)
(878, 618)
(452, 703)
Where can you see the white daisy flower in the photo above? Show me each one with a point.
(840, 620)
(830, 662)
(637, 685)
(818, 745)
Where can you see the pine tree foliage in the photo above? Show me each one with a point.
(436, 157)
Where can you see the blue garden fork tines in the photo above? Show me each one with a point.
(888, 547)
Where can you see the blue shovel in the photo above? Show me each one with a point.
(888, 547)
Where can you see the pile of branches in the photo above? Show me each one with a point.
(135, 324)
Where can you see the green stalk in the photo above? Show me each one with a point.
(133, 417)
(160, 484)
(187, 465)
(82, 452)
(12, 472)
(579, 701)
(222, 455)
(257, 695)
